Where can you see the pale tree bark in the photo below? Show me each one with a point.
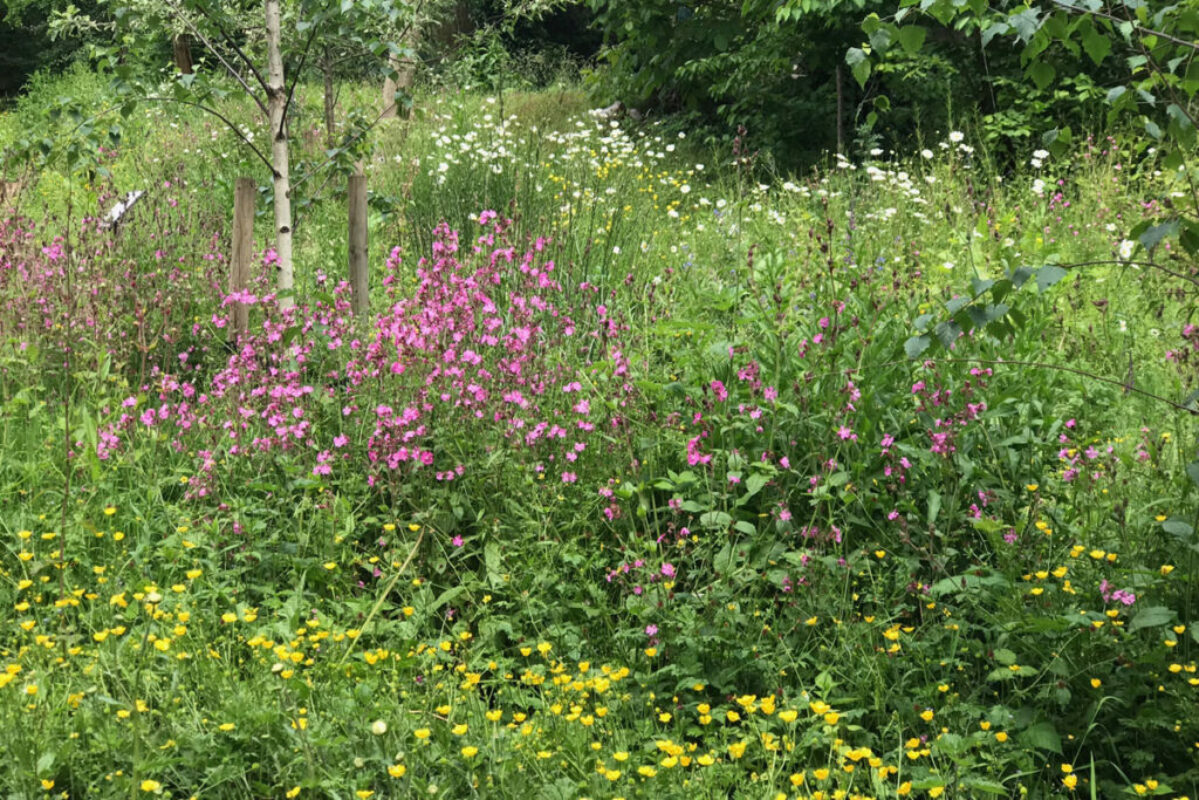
(277, 107)
(330, 122)
(405, 68)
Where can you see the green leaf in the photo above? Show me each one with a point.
(445, 597)
(916, 345)
(1097, 45)
(934, 506)
(911, 38)
(859, 64)
(715, 519)
(957, 304)
(948, 332)
(1042, 74)
(723, 563)
(1049, 275)
(1005, 657)
(1021, 276)
(754, 483)
(1193, 471)
(1043, 736)
(1151, 617)
(980, 285)
(1175, 526)
(987, 787)
(1152, 237)
(491, 558)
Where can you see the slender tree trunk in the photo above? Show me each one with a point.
(405, 68)
(330, 122)
(277, 106)
(389, 90)
(183, 54)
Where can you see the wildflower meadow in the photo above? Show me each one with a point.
(650, 471)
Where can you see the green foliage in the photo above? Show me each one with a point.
(790, 545)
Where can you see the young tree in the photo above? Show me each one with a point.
(238, 35)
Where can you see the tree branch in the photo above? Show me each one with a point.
(1127, 387)
(241, 53)
(296, 77)
(1166, 270)
(222, 118)
(1073, 9)
(212, 49)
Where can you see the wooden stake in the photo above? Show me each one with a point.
(360, 300)
(243, 251)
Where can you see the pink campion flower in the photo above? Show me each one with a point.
(456, 541)
(341, 440)
(1124, 596)
(569, 477)
(668, 569)
(694, 456)
(785, 462)
(824, 323)
(651, 630)
(718, 389)
(845, 433)
(770, 393)
(734, 479)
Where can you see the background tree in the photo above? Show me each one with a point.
(256, 51)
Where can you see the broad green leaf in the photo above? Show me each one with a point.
(715, 519)
(1151, 617)
(445, 597)
(1043, 736)
(911, 38)
(1049, 275)
(916, 345)
(1042, 74)
(1154, 235)
(755, 482)
(948, 332)
(1005, 657)
(934, 506)
(1175, 526)
(723, 563)
(1097, 45)
(859, 64)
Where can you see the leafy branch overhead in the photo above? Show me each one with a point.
(1156, 42)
